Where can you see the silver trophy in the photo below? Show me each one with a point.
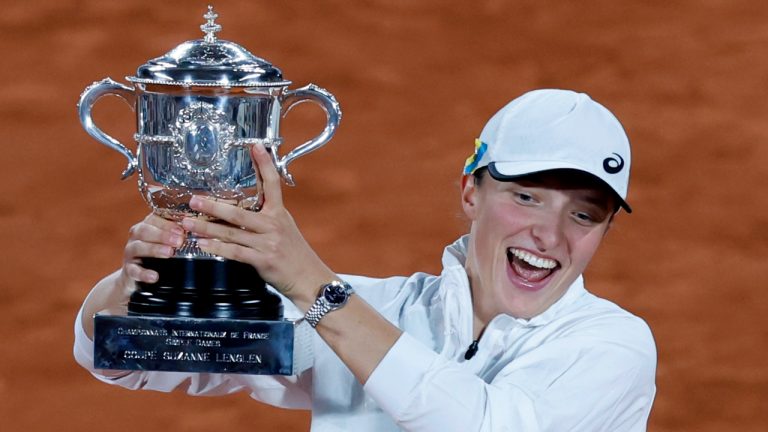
(199, 108)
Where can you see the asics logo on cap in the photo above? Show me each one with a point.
(612, 165)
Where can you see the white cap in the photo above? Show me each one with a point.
(555, 129)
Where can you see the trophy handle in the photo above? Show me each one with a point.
(92, 93)
(326, 101)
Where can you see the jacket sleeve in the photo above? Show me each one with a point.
(281, 391)
(583, 382)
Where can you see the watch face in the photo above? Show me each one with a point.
(335, 294)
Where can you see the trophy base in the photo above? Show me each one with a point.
(184, 344)
(205, 288)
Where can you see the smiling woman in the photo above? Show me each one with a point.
(542, 229)
(548, 174)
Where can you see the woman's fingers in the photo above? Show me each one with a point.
(257, 222)
(153, 237)
(235, 216)
(135, 249)
(162, 223)
(139, 273)
(273, 195)
(231, 251)
(220, 231)
(154, 229)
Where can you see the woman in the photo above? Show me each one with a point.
(505, 338)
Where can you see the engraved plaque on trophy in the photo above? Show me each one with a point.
(199, 108)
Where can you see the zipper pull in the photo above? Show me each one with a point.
(472, 350)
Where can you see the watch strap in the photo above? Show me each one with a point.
(322, 306)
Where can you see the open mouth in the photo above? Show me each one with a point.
(529, 267)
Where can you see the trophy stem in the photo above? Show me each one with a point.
(190, 249)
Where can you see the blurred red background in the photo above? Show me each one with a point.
(416, 81)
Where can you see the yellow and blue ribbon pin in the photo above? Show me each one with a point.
(471, 164)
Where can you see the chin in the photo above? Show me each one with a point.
(524, 300)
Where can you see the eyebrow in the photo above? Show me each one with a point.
(597, 199)
(591, 193)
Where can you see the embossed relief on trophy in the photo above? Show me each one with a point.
(200, 142)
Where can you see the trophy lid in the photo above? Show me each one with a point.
(209, 62)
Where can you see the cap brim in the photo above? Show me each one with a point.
(516, 170)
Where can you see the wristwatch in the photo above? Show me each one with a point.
(332, 296)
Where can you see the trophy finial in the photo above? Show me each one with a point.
(210, 28)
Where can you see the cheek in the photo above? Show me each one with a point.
(490, 231)
(490, 228)
(501, 216)
(585, 248)
(486, 232)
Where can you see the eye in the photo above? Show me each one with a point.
(524, 198)
(589, 218)
(584, 217)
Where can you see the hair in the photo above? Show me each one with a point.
(479, 174)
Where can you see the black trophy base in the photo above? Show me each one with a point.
(204, 288)
(183, 344)
(202, 315)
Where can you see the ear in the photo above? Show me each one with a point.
(469, 196)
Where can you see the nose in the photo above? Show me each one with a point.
(548, 232)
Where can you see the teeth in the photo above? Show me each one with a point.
(534, 260)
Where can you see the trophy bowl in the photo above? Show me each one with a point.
(199, 108)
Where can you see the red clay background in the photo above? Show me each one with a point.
(416, 81)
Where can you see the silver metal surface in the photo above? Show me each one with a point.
(190, 249)
(89, 96)
(322, 97)
(210, 28)
(199, 109)
(209, 62)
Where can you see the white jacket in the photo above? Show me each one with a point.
(582, 365)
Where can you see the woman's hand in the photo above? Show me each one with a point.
(153, 237)
(268, 239)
